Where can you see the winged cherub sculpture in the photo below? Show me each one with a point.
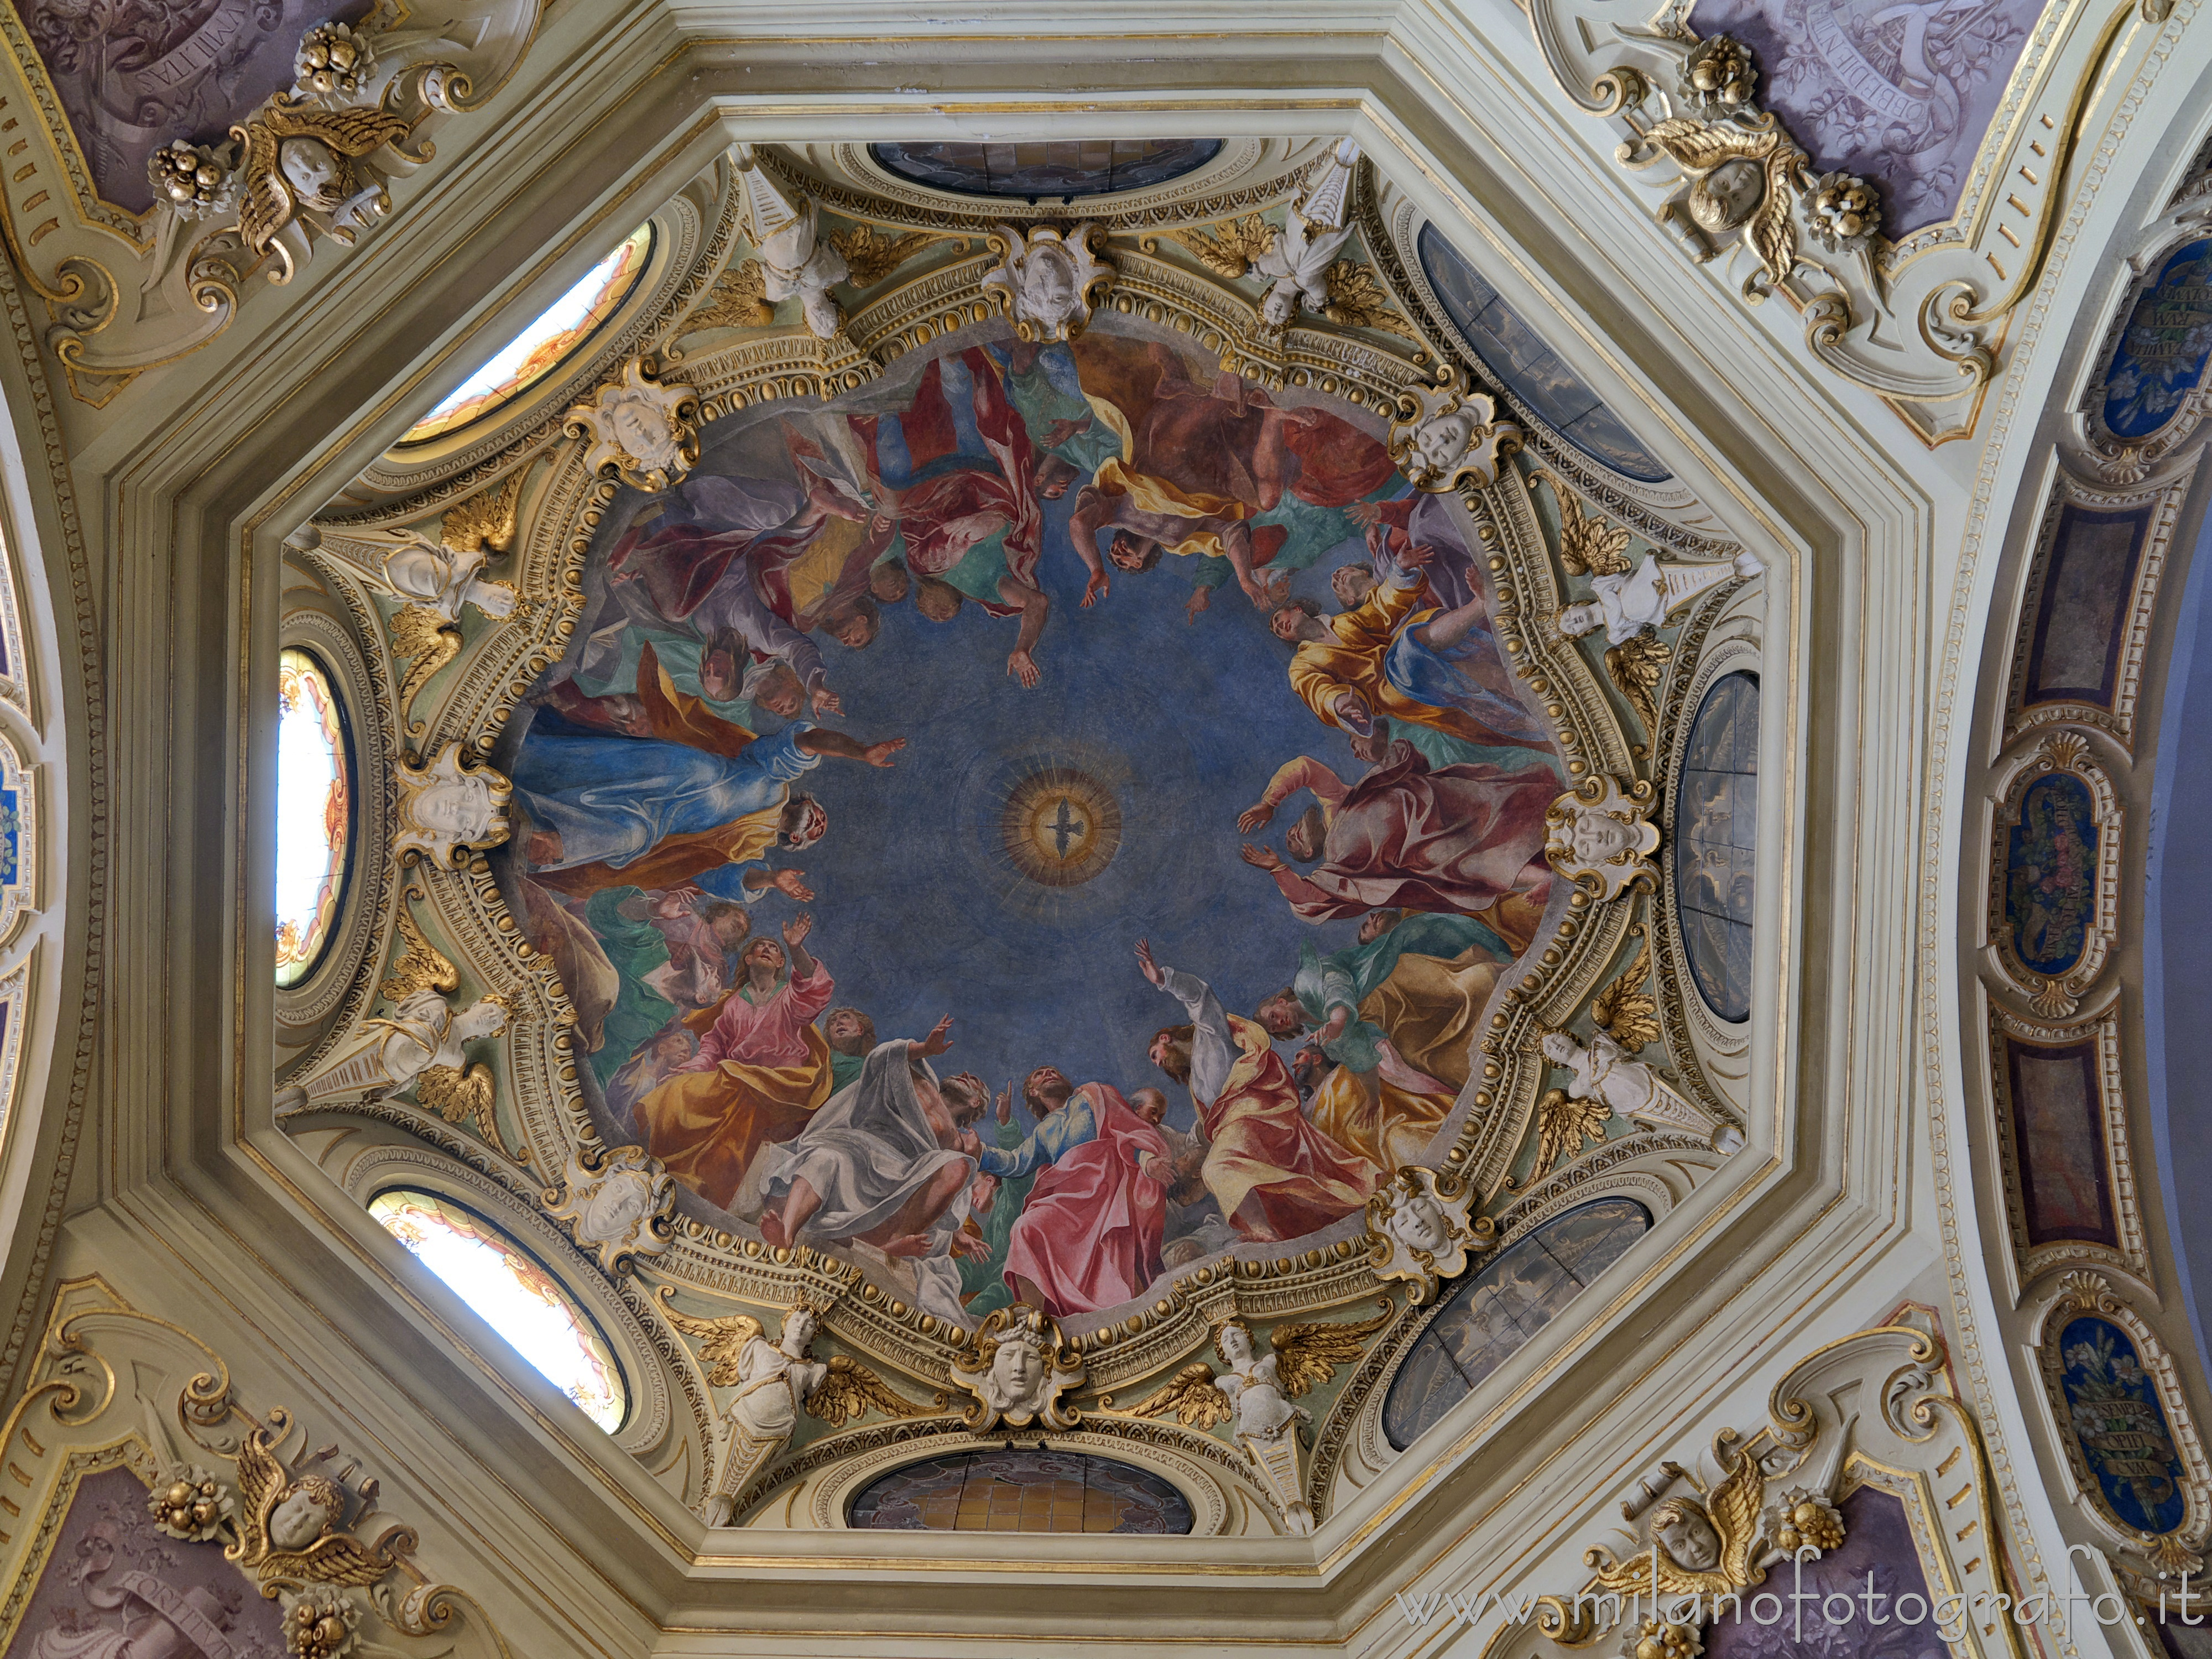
(297, 160)
(1742, 172)
(1258, 1389)
(294, 1531)
(774, 1382)
(421, 1044)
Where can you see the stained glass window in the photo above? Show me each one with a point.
(314, 812)
(1021, 1489)
(1717, 841)
(535, 352)
(512, 1294)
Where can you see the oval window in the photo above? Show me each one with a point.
(1066, 168)
(541, 347)
(1021, 1489)
(1504, 1306)
(1715, 842)
(513, 1293)
(314, 812)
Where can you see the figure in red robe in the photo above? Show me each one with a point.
(1089, 1236)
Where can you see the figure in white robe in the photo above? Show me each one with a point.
(1626, 603)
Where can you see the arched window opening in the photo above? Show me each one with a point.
(513, 1293)
(314, 812)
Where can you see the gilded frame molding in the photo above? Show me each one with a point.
(2061, 753)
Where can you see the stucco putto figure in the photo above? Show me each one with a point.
(1626, 603)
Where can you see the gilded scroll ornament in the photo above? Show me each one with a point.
(1446, 434)
(1421, 1228)
(1600, 835)
(1018, 1368)
(641, 430)
(1047, 280)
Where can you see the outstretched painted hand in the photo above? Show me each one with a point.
(798, 928)
(1152, 970)
(1260, 858)
(1256, 817)
(879, 754)
(939, 1040)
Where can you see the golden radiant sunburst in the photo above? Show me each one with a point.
(1061, 827)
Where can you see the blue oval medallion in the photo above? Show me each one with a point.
(2113, 1409)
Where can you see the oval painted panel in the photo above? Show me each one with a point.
(1716, 843)
(511, 1290)
(1531, 370)
(1021, 1490)
(2051, 874)
(1059, 167)
(314, 812)
(2161, 355)
(1502, 1307)
(2117, 1418)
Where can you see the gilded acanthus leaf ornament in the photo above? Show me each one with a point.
(872, 254)
(1229, 250)
(1742, 182)
(738, 300)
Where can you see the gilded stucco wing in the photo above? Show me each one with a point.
(1629, 1015)
(261, 1477)
(871, 255)
(1699, 147)
(738, 300)
(724, 1340)
(1310, 1352)
(1230, 251)
(1772, 233)
(339, 1558)
(1194, 1398)
(1733, 1506)
(1637, 667)
(460, 1097)
(484, 522)
(849, 1390)
(420, 967)
(351, 132)
(264, 205)
(1587, 545)
(1357, 299)
(421, 633)
(1562, 1127)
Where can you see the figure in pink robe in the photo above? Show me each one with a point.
(1089, 1236)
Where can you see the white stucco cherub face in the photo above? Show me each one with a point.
(301, 1516)
(1017, 1372)
(1581, 618)
(643, 430)
(798, 1328)
(1599, 836)
(1418, 1224)
(480, 1019)
(1727, 196)
(313, 170)
(1685, 1533)
(1559, 1048)
(1236, 1345)
(455, 806)
(1442, 442)
(1049, 286)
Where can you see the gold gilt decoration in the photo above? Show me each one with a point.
(1307, 1353)
(1588, 546)
(292, 1530)
(484, 522)
(460, 1094)
(1357, 299)
(297, 159)
(427, 642)
(1230, 251)
(419, 966)
(847, 1391)
(738, 300)
(1705, 1546)
(871, 254)
(1742, 183)
(1624, 1011)
(1563, 1127)
(1637, 667)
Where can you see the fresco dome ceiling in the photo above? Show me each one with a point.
(1234, 845)
(1015, 809)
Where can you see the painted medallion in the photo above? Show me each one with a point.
(2162, 351)
(1062, 763)
(2051, 874)
(2114, 1412)
(1061, 166)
